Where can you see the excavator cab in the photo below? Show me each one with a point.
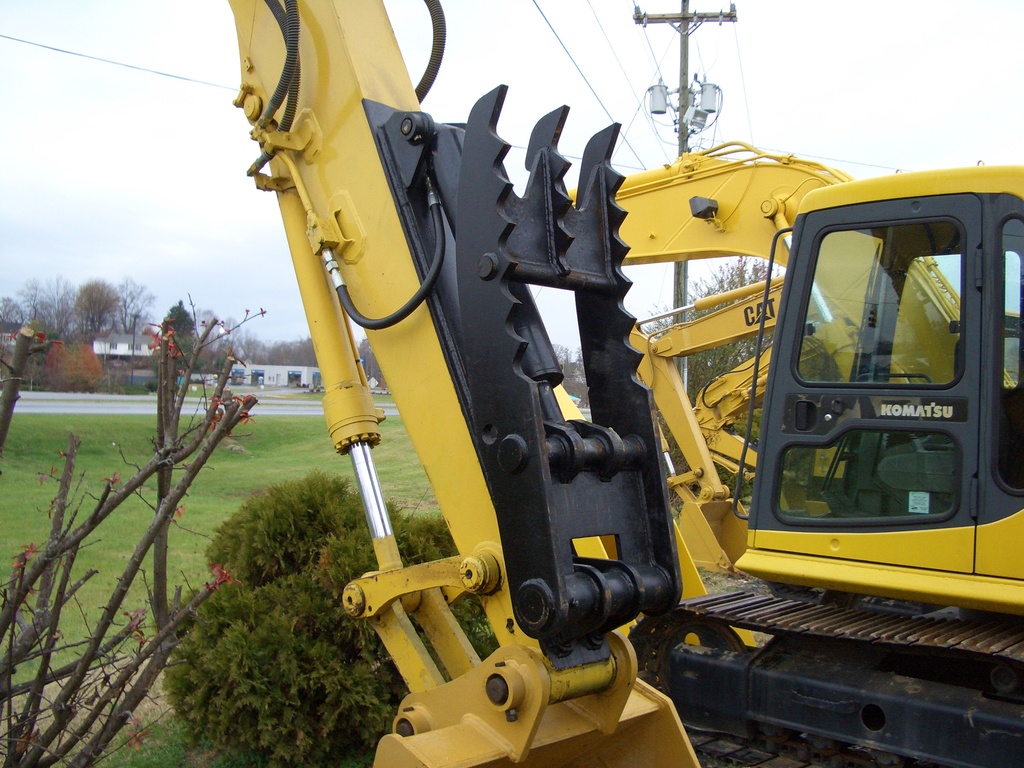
(890, 460)
(885, 514)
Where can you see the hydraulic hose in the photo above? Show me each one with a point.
(291, 42)
(421, 293)
(296, 80)
(290, 80)
(437, 23)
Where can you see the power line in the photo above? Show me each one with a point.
(625, 140)
(640, 110)
(611, 48)
(117, 63)
(743, 82)
(229, 88)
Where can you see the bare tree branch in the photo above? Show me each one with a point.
(69, 713)
(12, 369)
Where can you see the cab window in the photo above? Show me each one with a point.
(871, 474)
(1011, 417)
(885, 307)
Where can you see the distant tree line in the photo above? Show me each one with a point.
(75, 316)
(248, 347)
(78, 314)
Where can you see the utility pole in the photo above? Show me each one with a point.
(685, 23)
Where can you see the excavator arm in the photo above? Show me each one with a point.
(412, 229)
(729, 200)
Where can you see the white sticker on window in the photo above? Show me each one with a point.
(917, 502)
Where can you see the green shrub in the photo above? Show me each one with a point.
(273, 665)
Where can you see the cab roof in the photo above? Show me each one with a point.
(979, 179)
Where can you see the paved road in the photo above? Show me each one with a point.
(271, 403)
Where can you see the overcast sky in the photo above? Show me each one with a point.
(113, 172)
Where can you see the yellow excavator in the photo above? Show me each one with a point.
(737, 198)
(887, 505)
(411, 229)
(888, 621)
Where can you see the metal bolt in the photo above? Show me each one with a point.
(478, 574)
(535, 604)
(513, 452)
(1004, 679)
(497, 689)
(354, 600)
(487, 268)
(252, 106)
(404, 728)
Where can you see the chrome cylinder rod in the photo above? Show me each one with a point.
(369, 488)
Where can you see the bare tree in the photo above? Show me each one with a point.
(11, 311)
(63, 699)
(247, 346)
(133, 303)
(31, 296)
(14, 355)
(56, 309)
(299, 352)
(727, 274)
(96, 309)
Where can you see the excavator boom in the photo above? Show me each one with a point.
(755, 194)
(412, 230)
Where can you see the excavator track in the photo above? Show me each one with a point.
(1001, 640)
(720, 750)
(992, 650)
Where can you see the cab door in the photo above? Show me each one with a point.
(869, 450)
(1000, 519)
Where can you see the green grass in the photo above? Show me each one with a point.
(162, 745)
(165, 745)
(265, 451)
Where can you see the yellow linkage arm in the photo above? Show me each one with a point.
(335, 201)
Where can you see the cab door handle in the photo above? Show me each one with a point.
(805, 415)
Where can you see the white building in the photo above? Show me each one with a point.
(262, 375)
(123, 345)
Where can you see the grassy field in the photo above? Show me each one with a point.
(265, 451)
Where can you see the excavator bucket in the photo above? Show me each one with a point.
(626, 726)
